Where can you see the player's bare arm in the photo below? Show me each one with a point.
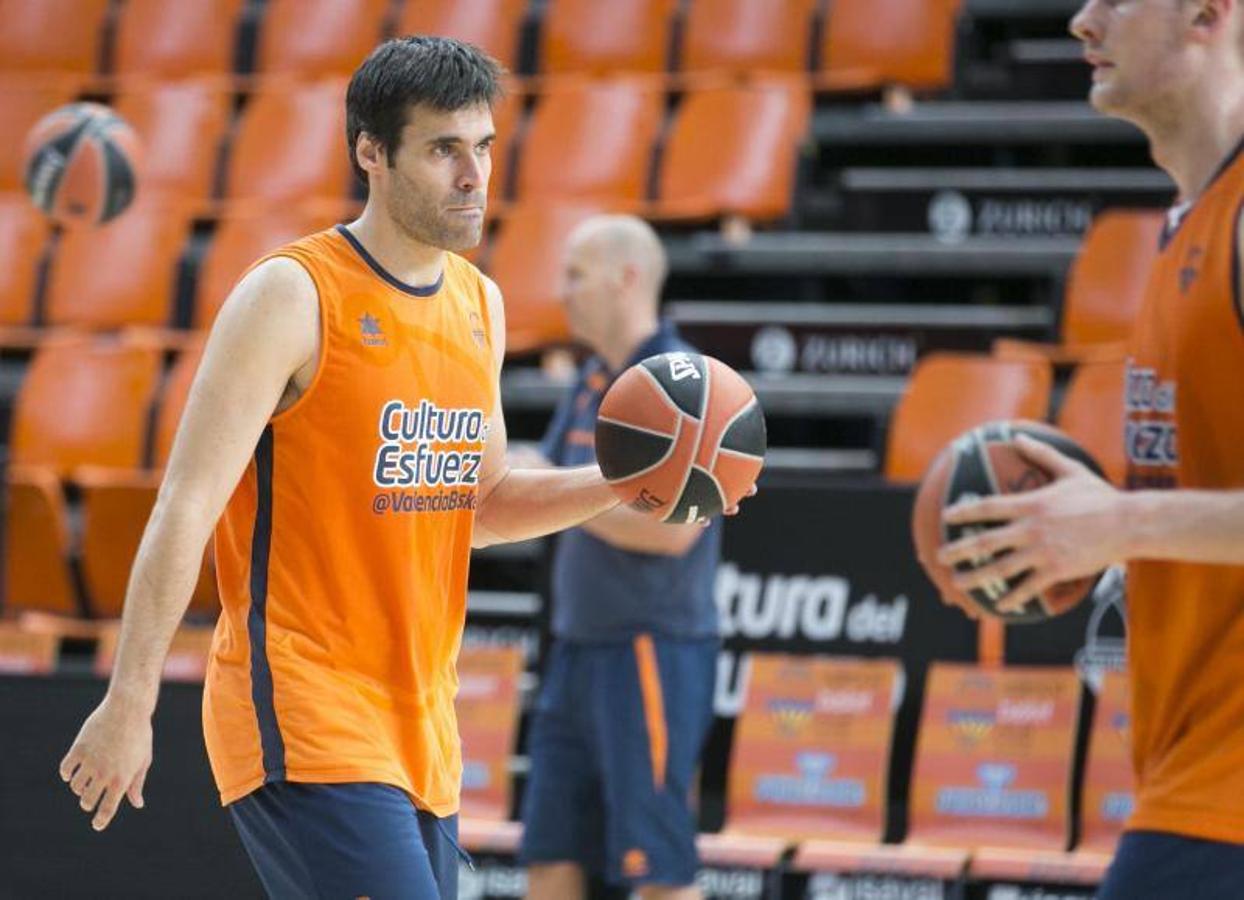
(262, 350)
(518, 504)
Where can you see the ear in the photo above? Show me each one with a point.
(370, 154)
(1208, 16)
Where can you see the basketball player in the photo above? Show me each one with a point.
(628, 689)
(1176, 69)
(347, 423)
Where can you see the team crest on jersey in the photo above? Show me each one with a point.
(370, 331)
(1190, 269)
(477, 330)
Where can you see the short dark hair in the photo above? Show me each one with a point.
(438, 72)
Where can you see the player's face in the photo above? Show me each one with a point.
(1134, 47)
(590, 290)
(436, 185)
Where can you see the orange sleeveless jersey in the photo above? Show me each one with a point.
(342, 555)
(1185, 429)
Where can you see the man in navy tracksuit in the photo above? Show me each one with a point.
(627, 695)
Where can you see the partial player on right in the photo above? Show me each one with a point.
(1176, 69)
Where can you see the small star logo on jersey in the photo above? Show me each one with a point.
(369, 326)
(1190, 269)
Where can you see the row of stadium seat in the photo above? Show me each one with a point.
(99, 414)
(991, 793)
(127, 274)
(310, 38)
(725, 150)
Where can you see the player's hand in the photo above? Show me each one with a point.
(109, 761)
(1071, 528)
(734, 510)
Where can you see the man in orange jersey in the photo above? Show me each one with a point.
(1176, 69)
(345, 438)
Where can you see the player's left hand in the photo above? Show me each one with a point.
(1071, 528)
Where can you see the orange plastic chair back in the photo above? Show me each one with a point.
(949, 393)
(732, 151)
(120, 274)
(1107, 280)
(23, 236)
(811, 748)
(528, 260)
(588, 36)
(85, 402)
(994, 756)
(313, 38)
(747, 36)
(51, 35)
(915, 49)
(180, 125)
(182, 39)
(592, 140)
(23, 102)
(36, 544)
(491, 25)
(289, 145)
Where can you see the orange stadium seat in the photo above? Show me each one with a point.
(620, 36)
(732, 151)
(1105, 288)
(785, 783)
(747, 36)
(122, 274)
(1092, 413)
(526, 261)
(51, 35)
(116, 504)
(488, 710)
(86, 401)
(948, 393)
(242, 239)
(290, 147)
(994, 754)
(592, 140)
(159, 39)
(1108, 278)
(915, 50)
(23, 101)
(23, 240)
(181, 125)
(491, 25)
(318, 37)
(24, 652)
(37, 573)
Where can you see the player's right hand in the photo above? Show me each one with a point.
(108, 761)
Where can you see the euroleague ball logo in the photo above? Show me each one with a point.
(681, 367)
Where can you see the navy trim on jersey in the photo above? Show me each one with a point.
(257, 617)
(426, 290)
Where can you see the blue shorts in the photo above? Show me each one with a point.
(1154, 865)
(347, 840)
(614, 744)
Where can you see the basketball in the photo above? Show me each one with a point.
(81, 164)
(680, 437)
(980, 462)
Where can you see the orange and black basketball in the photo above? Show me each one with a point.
(81, 164)
(976, 464)
(680, 436)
